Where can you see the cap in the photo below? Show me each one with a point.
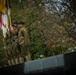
(15, 22)
(20, 22)
(12, 24)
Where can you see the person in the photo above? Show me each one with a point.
(14, 37)
(23, 41)
(7, 45)
(14, 40)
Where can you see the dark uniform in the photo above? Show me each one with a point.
(14, 39)
(23, 41)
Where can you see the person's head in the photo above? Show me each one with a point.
(20, 24)
(8, 29)
(12, 25)
(15, 24)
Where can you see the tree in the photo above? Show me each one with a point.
(50, 24)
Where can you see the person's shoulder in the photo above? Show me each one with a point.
(24, 29)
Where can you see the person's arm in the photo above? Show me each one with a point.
(26, 38)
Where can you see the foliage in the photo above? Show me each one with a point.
(2, 54)
(47, 31)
